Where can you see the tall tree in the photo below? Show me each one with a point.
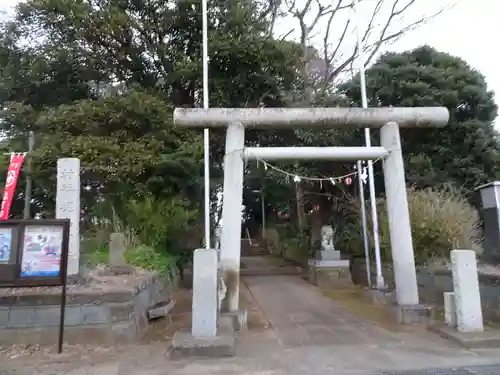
(328, 51)
(466, 152)
(98, 79)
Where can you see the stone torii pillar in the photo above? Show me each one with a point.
(389, 119)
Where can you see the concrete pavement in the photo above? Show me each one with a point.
(311, 334)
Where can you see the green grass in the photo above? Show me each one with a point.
(92, 258)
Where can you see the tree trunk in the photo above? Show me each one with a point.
(299, 197)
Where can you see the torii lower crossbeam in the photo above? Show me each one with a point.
(314, 153)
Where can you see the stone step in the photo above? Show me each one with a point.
(251, 252)
(161, 309)
(254, 249)
(272, 271)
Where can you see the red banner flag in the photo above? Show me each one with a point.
(16, 161)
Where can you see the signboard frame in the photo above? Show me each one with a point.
(11, 272)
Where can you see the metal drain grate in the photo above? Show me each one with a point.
(450, 371)
(485, 370)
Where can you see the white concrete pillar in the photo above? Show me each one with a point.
(466, 289)
(450, 312)
(205, 275)
(232, 201)
(399, 217)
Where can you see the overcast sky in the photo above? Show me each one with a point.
(470, 30)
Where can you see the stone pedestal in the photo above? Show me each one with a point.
(329, 273)
(326, 255)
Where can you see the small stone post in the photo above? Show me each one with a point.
(117, 249)
(68, 207)
(205, 300)
(399, 217)
(450, 311)
(466, 290)
(231, 215)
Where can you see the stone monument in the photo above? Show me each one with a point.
(117, 264)
(68, 207)
(327, 252)
(328, 268)
(117, 249)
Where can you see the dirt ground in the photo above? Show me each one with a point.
(158, 335)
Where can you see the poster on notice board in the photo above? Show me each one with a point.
(5, 244)
(41, 251)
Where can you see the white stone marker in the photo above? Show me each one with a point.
(68, 207)
(205, 301)
(466, 290)
(232, 200)
(450, 311)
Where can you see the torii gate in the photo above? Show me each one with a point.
(388, 119)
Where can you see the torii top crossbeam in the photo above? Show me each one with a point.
(312, 117)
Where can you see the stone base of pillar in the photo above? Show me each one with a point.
(468, 340)
(236, 321)
(330, 273)
(184, 344)
(414, 314)
(380, 296)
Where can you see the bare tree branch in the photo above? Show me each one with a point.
(331, 18)
(272, 10)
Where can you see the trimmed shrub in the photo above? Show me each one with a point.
(441, 220)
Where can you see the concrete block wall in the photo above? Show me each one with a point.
(118, 316)
(433, 282)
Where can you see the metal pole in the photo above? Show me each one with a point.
(380, 284)
(365, 231)
(263, 208)
(206, 138)
(29, 181)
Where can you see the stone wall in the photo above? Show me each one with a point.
(434, 281)
(104, 312)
